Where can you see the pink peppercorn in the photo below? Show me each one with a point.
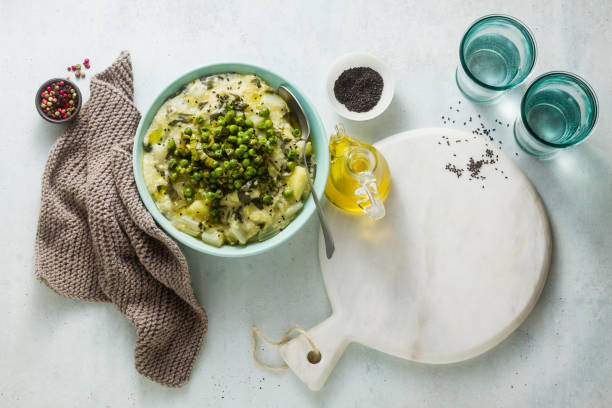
(74, 67)
(86, 61)
(49, 88)
(61, 83)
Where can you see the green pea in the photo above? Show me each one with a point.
(220, 121)
(235, 173)
(246, 163)
(218, 194)
(240, 121)
(218, 153)
(262, 140)
(189, 200)
(233, 163)
(252, 152)
(205, 134)
(267, 124)
(267, 199)
(218, 172)
(238, 183)
(184, 163)
(171, 145)
(250, 169)
(243, 139)
(273, 140)
(296, 132)
(264, 113)
(291, 165)
(233, 129)
(174, 176)
(214, 213)
(187, 192)
(172, 164)
(261, 125)
(196, 176)
(248, 122)
(249, 132)
(216, 146)
(214, 164)
(210, 195)
(242, 147)
(291, 154)
(270, 149)
(270, 132)
(288, 193)
(229, 115)
(261, 171)
(200, 118)
(188, 131)
(226, 165)
(232, 139)
(258, 160)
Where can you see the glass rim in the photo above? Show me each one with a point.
(518, 24)
(582, 83)
(370, 155)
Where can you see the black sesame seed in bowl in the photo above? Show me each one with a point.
(58, 100)
(359, 86)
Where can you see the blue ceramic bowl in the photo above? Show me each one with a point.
(317, 135)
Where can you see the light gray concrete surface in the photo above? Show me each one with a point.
(56, 352)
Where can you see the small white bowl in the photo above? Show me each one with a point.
(355, 60)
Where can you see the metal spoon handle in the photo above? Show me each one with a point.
(295, 107)
(327, 236)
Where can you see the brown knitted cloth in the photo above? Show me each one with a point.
(97, 242)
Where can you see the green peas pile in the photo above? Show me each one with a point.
(217, 157)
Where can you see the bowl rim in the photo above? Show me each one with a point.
(38, 99)
(317, 133)
(383, 70)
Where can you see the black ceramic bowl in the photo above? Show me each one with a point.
(38, 101)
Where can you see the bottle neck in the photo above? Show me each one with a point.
(360, 163)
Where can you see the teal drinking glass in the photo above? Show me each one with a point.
(496, 53)
(558, 110)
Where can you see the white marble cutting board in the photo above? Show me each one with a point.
(455, 266)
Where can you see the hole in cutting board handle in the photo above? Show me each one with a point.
(313, 356)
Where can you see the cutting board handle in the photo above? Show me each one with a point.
(330, 338)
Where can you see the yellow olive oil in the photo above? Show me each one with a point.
(349, 159)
